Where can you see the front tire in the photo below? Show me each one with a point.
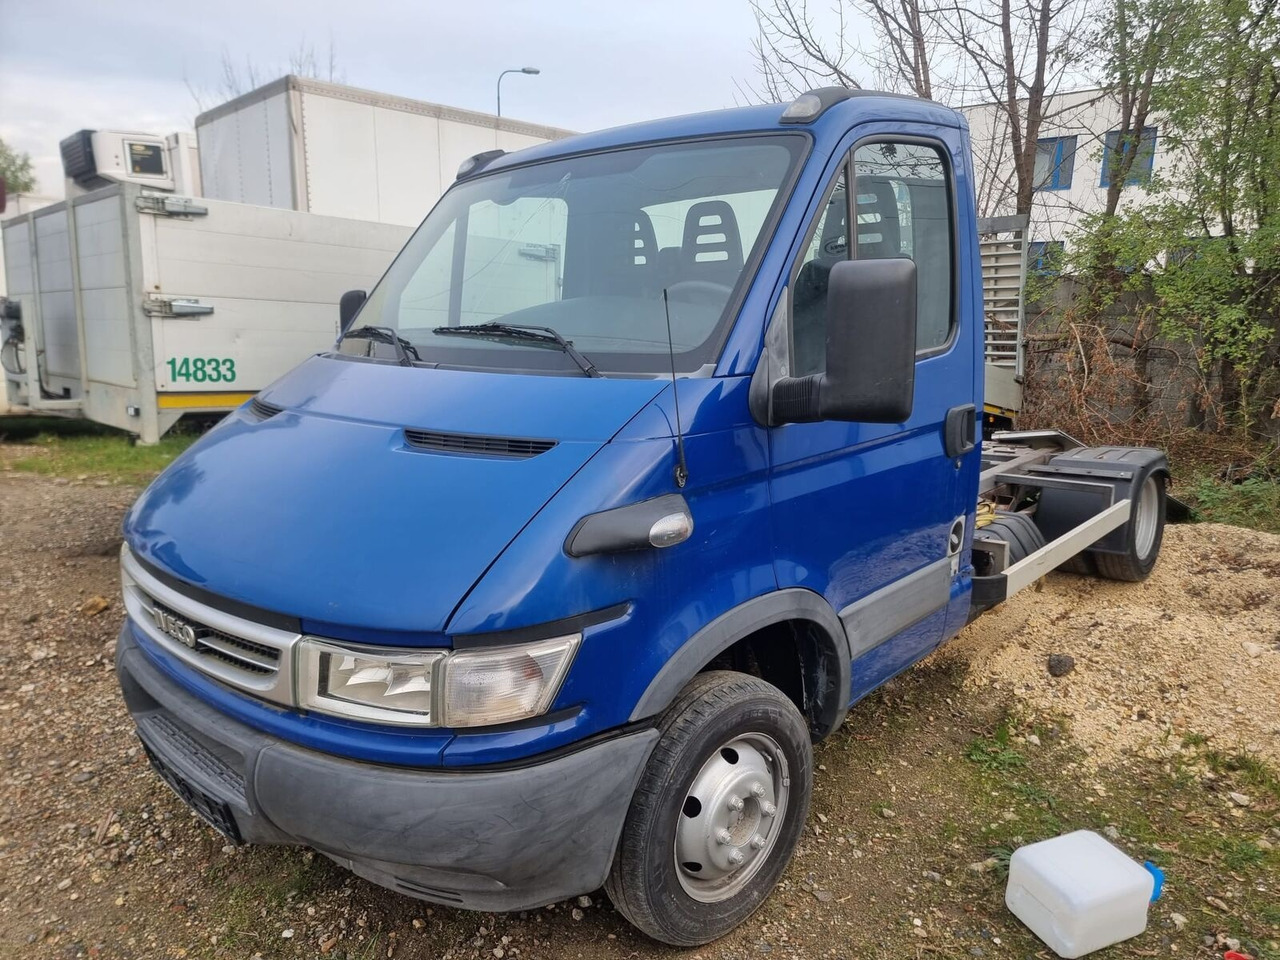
(718, 811)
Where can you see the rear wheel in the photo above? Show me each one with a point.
(1143, 535)
(1017, 530)
(718, 810)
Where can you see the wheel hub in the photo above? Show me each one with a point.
(730, 817)
(1147, 519)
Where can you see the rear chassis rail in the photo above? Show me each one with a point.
(1097, 483)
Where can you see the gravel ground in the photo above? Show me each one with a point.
(98, 859)
(1195, 649)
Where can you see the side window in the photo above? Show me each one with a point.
(828, 246)
(904, 210)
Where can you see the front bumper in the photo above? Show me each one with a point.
(493, 839)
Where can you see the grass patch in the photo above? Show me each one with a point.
(994, 753)
(1241, 854)
(1032, 793)
(101, 455)
(1244, 768)
(1151, 811)
(1253, 502)
(258, 889)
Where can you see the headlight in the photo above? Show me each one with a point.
(434, 688)
(387, 686)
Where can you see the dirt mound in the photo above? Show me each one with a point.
(1194, 650)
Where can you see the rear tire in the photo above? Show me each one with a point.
(1081, 564)
(718, 811)
(1143, 535)
(1017, 530)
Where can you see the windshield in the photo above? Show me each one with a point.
(585, 246)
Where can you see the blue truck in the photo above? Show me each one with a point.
(654, 450)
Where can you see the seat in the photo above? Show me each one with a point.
(712, 246)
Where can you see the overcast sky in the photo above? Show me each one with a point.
(72, 64)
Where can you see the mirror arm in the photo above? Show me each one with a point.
(797, 399)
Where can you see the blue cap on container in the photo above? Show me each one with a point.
(1158, 876)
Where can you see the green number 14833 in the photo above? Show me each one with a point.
(202, 369)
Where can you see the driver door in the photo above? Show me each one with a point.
(865, 513)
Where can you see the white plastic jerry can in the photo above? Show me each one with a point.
(1078, 893)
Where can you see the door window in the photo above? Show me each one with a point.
(903, 209)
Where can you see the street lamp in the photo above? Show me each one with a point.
(531, 71)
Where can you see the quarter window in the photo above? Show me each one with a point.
(827, 247)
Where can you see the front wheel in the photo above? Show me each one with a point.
(718, 811)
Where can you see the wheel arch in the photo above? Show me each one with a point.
(822, 648)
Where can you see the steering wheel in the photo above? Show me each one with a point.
(700, 291)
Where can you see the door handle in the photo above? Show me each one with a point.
(959, 434)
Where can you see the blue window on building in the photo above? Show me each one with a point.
(1044, 257)
(1114, 152)
(1055, 161)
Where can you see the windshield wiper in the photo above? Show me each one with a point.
(385, 335)
(522, 333)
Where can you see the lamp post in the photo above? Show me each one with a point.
(531, 71)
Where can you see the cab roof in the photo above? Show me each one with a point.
(841, 109)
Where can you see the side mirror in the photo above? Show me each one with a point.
(348, 307)
(871, 349)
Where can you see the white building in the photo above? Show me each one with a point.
(1073, 163)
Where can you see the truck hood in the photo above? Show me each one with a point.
(328, 512)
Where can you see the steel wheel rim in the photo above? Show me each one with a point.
(731, 817)
(1146, 519)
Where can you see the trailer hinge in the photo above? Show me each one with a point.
(171, 206)
(180, 308)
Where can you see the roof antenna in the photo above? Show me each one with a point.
(682, 469)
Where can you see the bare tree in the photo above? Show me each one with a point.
(1013, 55)
(1138, 36)
(238, 78)
(790, 53)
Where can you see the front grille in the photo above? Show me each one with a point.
(477, 445)
(247, 654)
(237, 652)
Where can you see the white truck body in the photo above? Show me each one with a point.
(138, 306)
(340, 151)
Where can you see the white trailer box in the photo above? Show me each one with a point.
(339, 151)
(137, 307)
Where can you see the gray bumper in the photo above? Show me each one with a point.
(494, 839)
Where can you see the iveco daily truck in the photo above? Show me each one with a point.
(652, 452)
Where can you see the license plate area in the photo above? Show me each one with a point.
(210, 809)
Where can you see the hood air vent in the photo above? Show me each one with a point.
(517, 448)
(263, 410)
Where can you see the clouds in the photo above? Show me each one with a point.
(70, 64)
